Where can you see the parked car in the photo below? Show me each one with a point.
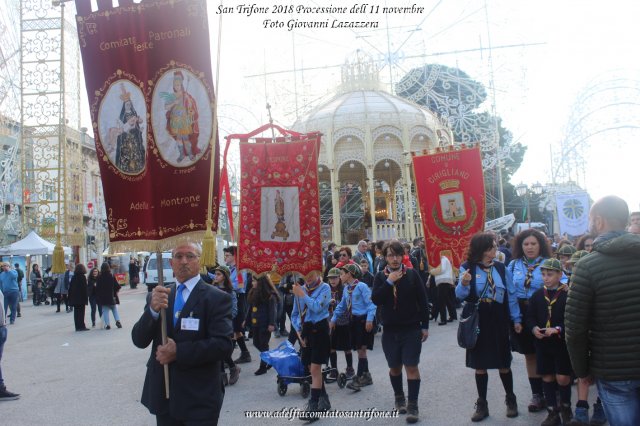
(151, 274)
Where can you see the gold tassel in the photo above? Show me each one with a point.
(58, 266)
(208, 258)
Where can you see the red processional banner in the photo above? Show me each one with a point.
(148, 74)
(279, 227)
(450, 188)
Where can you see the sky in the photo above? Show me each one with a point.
(563, 57)
(574, 51)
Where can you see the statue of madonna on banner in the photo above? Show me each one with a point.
(130, 151)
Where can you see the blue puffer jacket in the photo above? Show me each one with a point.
(9, 281)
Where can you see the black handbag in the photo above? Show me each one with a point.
(469, 323)
(468, 329)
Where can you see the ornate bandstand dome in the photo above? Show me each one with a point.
(365, 171)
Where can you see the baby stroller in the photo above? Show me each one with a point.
(287, 363)
(50, 284)
(39, 294)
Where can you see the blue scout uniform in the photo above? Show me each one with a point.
(500, 290)
(357, 297)
(518, 270)
(316, 306)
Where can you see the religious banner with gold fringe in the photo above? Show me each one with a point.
(279, 227)
(149, 82)
(450, 189)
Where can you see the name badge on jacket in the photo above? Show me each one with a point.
(191, 324)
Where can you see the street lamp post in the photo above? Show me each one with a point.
(523, 190)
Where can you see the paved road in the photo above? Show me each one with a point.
(95, 378)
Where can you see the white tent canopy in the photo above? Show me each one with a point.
(32, 244)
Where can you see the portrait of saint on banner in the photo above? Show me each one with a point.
(122, 127)
(452, 207)
(181, 116)
(280, 214)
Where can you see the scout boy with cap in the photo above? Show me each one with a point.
(564, 255)
(309, 319)
(545, 319)
(356, 303)
(341, 335)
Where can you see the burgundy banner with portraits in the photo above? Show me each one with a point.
(279, 207)
(450, 189)
(148, 73)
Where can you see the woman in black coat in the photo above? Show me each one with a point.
(91, 291)
(78, 297)
(106, 295)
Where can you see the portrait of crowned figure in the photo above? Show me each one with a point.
(130, 149)
(182, 119)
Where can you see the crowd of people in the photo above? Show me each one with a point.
(520, 283)
(566, 305)
(76, 288)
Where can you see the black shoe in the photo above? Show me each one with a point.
(323, 403)
(83, 329)
(234, 375)
(451, 319)
(262, 370)
(537, 403)
(354, 384)
(5, 395)
(412, 412)
(245, 357)
(553, 418)
(401, 404)
(108, 327)
(566, 415)
(310, 412)
(118, 324)
(19, 315)
(482, 410)
(512, 406)
(442, 323)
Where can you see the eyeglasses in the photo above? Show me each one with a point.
(188, 256)
(343, 255)
(394, 255)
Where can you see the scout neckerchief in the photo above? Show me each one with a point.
(550, 303)
(530, 268)
(387, 271)
(310, 289)
(350, 288)
(489, 271)
(334, 296)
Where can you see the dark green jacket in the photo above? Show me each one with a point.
(602, 316)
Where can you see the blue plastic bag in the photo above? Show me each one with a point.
(284, 359)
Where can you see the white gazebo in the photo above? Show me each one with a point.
(33, 245)
(365, 167)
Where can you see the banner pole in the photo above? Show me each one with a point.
(163, 318)
(209, 257)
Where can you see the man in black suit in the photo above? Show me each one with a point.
(198, 329)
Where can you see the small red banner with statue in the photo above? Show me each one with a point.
(279, 209)
(450, 189)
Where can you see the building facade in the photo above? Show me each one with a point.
(365, 167)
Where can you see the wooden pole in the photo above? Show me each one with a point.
(163, 318)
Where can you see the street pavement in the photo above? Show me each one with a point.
(95, 378)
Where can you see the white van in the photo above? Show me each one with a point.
(151, 273)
